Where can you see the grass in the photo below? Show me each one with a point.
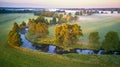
(95, 23)
(22, 57)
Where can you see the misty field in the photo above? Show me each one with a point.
(22, 57)
(101, 23)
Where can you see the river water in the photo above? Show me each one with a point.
(57, 50)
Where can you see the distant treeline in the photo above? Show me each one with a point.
(19, 10)
(44, 13)
(36, 10)
(103, 9)
(15, 11)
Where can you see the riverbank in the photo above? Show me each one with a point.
(53, 49)
(24, 57)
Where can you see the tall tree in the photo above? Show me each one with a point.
(54, 20)
(15, 27)
(22, 25)
(40, 19)
(94, 40)
(75, 18)
(32, 27)
(111, 41)
(59, 17)
(14, 37)
(67, 34)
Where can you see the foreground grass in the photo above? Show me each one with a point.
(21, 57)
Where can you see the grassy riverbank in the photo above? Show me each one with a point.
(95, 23)
(22, 57)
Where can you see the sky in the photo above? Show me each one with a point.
(61, 3)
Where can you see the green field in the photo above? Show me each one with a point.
(94, 23)
(21, 57)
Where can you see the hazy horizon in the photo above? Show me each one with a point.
(61, 3)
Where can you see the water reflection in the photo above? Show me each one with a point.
(85, 51)
(51, 49)
(100, 52)
(26, 43)
(58, 50)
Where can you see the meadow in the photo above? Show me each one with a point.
(101, 23)
(22, 57)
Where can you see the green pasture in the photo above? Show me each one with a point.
(22, 57)
(95, 23)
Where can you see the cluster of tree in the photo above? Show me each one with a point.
(63, 19)
(84, 12)
(37, 27)
(46, 13)
(69, 17)
(39, 19)
(56, 19)
(67, 34)
(111, 41)
(14, 37)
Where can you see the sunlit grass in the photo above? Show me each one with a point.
(22, 57)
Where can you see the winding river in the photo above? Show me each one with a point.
(57, 50)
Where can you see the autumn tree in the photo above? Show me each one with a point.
(22, 25)
(46, 13)
(67, 34)
(41, 30)
(32, 27)
(14, 37)
(40, 19)
(15, 27)
(69, 17)
(62, 20)
(59, 17)
(37, 28)
(111, 41)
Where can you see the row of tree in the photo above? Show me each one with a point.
(44, 13)
(37, 27)
(84, 12)
(65, 35)
(56, 19)
(111, 41)
(59, 18)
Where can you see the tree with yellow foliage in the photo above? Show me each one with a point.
(67, 34)
(14, 37)
(37, 28)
